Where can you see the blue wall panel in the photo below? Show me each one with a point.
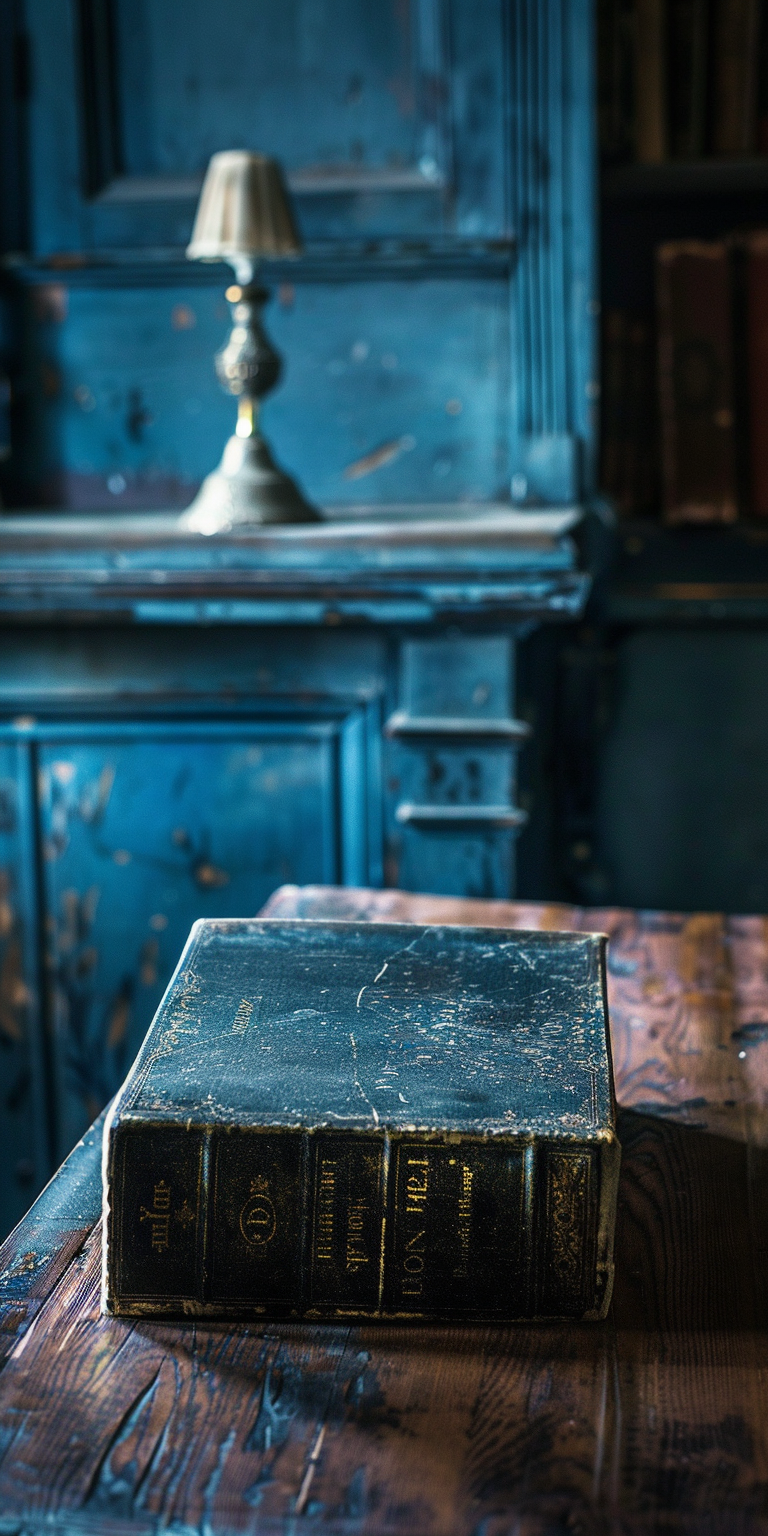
(438, 332)
(349, 73)
(142, 836)
(24, 1149)
(383, 398)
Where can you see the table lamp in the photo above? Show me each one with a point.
(244, 214)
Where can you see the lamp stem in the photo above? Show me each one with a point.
(244, 268)
(248, 487)
(247, 416)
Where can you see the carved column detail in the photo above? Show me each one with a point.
(552, 182)
(453, 755)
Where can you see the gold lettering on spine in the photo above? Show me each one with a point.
(326, 1195)
(415, 1245)
(464, 1222)
(356, 1256)
(416, 1186)
(159, 1216)
(258, 1218)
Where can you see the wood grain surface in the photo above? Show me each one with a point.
(655, 1421)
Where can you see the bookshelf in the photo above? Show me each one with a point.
(686, 178)
(662, 742)
(683, 115)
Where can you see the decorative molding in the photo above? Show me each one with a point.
(307, 181)
(507, 817)
(553, 169)
(464, 729)
(326, 261)
(102, 157)
(104, 171)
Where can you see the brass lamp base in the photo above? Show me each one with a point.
(247, 489)
(244, 215)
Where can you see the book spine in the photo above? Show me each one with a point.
(756, 332)
(614, 411)
(333, 1224)
(696, 383)
(616, 78)
(687, 74)
(650, 88)
(735, 58)
(761, 133)
(629, 429)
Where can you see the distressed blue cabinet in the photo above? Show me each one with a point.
(145, 826)
(187, 723)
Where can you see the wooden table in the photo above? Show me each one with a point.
(655, 1421)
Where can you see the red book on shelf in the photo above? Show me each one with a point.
(696, 382)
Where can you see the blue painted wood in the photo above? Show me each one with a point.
(24, 1139)
(488, 571)
(436, 777)
(166, 770)
(380, 399)
(357, 101)
(144, 829)
(555, 292)
(439, 336)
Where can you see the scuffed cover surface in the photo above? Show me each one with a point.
(362, 1025)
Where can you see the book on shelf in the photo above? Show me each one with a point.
(337, 1119)
(750, 254)
(616, 78)
(696, 382)
(682, 79)
(629, 429)
(688, 89)
(650, 82)
(736, 43)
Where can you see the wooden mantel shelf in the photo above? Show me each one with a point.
(500, 566)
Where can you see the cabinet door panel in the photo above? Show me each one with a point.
(389, 119)
(142, 836)
(24, 1153)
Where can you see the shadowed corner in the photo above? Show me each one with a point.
(691, 1245)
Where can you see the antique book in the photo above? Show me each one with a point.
(696, 393)
(333, 1119)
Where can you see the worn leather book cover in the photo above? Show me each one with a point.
(696, 393)
(336, 1119)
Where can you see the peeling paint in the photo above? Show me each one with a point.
(378, 457)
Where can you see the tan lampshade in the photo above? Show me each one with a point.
(243, 211)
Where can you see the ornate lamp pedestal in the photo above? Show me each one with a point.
(248, 487)
(244, 214)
